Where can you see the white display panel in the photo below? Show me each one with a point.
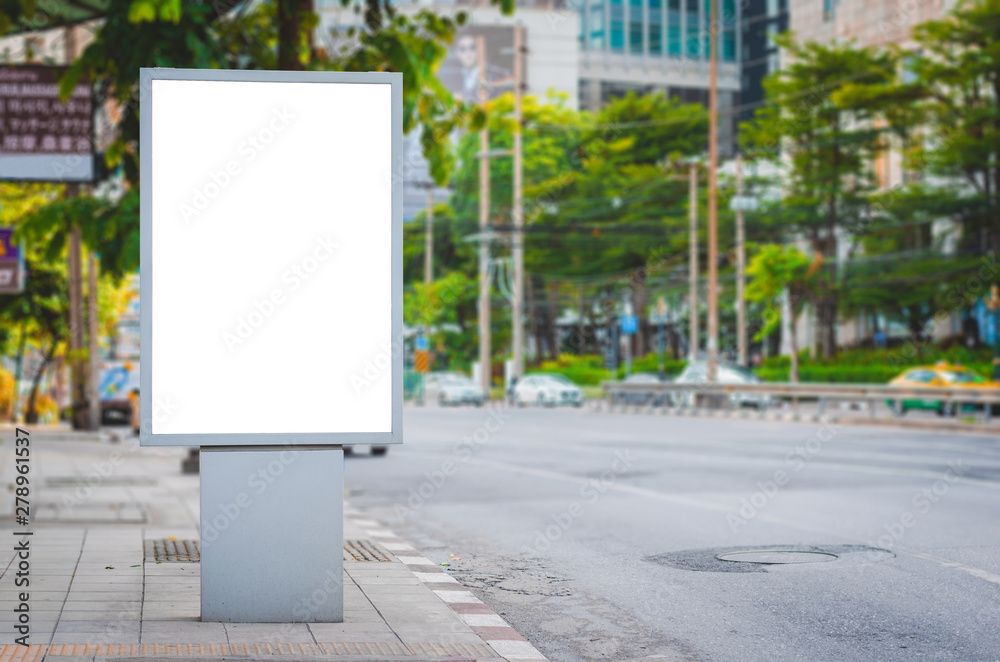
(271, 258)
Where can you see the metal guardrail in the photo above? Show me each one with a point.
(670, 394)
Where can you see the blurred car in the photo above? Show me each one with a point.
(116, 381)
(642, 398)
(940, 375)
(547, 391)
(696, 373)
(452, 388)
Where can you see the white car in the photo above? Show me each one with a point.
(452, 388)
(547, 391)
(696, 373)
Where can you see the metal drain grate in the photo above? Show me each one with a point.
(165, 550)
(364, 550)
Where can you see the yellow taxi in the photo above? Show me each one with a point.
(940, 375)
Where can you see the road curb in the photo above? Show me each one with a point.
(495, 632)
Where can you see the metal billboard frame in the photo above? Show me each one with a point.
(243, 439)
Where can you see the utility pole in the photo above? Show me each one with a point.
(994, 306)
(485, 361)
(517, 337)
(78, 373)
(93, 393)
(713, 158)
(429, 238)
(741, 304)
(693, 262)
(661, 317)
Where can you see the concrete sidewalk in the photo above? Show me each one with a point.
(114, 572)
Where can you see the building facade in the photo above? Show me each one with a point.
(762, 20)
(591, 51)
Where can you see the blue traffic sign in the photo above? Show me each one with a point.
(421, 344)
(630, 324)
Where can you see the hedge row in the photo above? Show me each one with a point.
(589, 370)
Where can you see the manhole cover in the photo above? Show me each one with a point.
(165, 550)
(364, 550)
(776, 556)
(770, 558)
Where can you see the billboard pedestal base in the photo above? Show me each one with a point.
(272, 534)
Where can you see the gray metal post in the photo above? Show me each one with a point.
(257, 566)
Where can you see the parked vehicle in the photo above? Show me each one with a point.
(116, 381)
(453, 388)
(696, 373)
(547, 391)
(638, 398)
(941, 375)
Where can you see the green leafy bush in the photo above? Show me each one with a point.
(589, 370)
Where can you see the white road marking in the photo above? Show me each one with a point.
(975, 572)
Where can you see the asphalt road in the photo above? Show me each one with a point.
(597, 535)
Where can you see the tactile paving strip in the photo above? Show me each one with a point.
(364, 550)
(37, 652)
(167, 550)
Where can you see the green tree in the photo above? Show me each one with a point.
(778, 272)
(823, 113)
(39, 315)
(446, 310)
(957, 71)
(600, 198)
(451, 252)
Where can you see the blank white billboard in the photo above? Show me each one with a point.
(271, 254)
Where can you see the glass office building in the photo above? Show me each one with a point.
(658, 28)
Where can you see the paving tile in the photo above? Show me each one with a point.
(415, 560)
(94, 638)
(415, 588)
(352, 632)
(361, 574)
(271, 633)
(109, 615)
(172, 632)
(422, 616)
(391, 580)
(435, 578)
(362, 616)
(171, 616)
(483, 620)
(102, 605)
(421, 633)
(69, 627)
(457, 597)
(492, 633)
(408, 600)
(519, 650)
(186, 603)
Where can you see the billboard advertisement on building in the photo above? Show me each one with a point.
(459, 73)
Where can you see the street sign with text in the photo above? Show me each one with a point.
(630, 324)
(43, 137)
